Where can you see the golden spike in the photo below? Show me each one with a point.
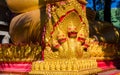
(36, 66)
(41, 66)
(58, 65)
(48, 30)
(54, 15)
(60, 11)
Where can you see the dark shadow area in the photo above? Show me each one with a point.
(5, 18)
(4, 28)
(109, 33)
(117, 63)
(3, 3)
(5, 13)
(1, 37)
(43, 20)
(103, 29)
(117, 58)
(94, 5)
(107, 11)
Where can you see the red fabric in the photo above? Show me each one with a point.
(105, 65)
(15, 66)
(118, 73)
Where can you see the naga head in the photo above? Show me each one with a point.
(72, 31)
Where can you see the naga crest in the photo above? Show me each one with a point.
(66, 31)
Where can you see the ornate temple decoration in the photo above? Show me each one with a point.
(67, 35)
(64, 41)
(19, 53)
(65, 67)
(66, 31)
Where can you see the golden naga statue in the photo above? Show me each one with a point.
(66, 31)
(58, 31)
(61, 28)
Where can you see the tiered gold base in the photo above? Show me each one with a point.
(65, 67)
(84, 72)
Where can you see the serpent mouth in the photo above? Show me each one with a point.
(62, 40)
(81, 39)
(72, 34)
(57, 46)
